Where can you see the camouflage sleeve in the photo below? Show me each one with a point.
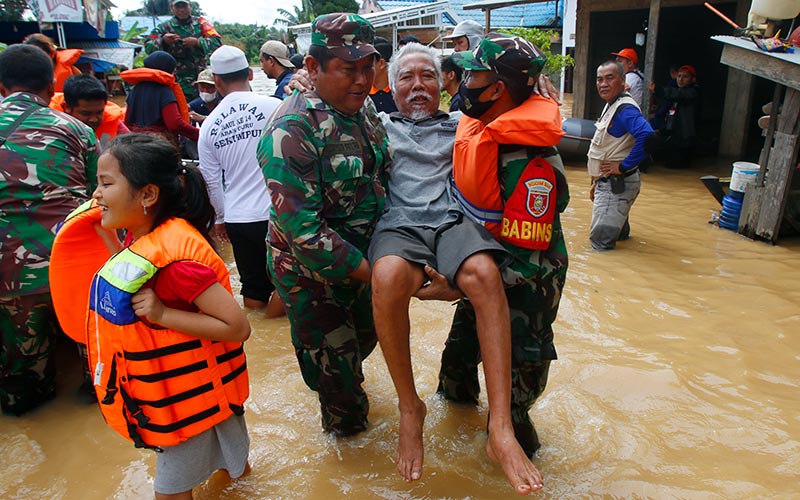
(210, 39)
(290, 163)
(154, 41)
(91, 165)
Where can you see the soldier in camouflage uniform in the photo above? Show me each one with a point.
(501, 70)
(190, 40)
(324, 157)
(49, 167)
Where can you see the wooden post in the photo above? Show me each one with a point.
(581, 76)
(650, 53)
(736, 114)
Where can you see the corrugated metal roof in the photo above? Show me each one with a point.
(538, 14)
(148, 22)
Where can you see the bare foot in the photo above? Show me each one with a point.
(410, 450)
(504, 449)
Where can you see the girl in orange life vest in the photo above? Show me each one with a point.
(165, 210)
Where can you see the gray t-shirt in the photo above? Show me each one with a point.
(419, 179)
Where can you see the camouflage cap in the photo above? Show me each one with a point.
(509, 56)
(347, 36)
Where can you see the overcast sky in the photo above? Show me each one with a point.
(261, 12)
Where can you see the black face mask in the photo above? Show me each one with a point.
(469, 104)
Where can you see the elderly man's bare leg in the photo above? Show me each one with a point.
(394, 281)
(479, 279)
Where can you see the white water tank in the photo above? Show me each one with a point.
(761, 10)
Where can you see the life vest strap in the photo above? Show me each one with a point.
(111, 387)
(197, 417)
(163, 351)
(234, 373)
(477, 213)
(230, 355)
(177, 372)
(177, 398)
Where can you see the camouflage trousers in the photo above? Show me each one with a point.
(29, 327)
(532, 350)
(332, 333)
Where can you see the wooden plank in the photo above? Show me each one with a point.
(751, 209)
(650, 51)
(773, 69)
(779, 177)
(580, 98)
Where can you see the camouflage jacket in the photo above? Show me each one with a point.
(191, 61)
(49, 167)
(325, 173)
(540, 266)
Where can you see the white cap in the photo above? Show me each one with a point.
(228, 59)
(470, 29)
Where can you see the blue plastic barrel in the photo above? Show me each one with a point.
(731, 210)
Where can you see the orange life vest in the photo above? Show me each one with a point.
(64, 66)
(157, 386)
(138, 75)
(77, 255)
(536, 122)
(112, 115)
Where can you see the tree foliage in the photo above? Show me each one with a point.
(320, 7)
(300, 15)
(11, 10)
(249, 37)
(543, 40)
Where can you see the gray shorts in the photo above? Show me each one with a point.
(182, 467)
(444, 248)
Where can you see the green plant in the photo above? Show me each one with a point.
(543, 39)
(133, 32)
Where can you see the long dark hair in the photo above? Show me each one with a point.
(150, 159)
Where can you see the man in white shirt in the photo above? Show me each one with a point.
(634, 79)
(227, 146)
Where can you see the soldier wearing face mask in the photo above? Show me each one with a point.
(202, 106)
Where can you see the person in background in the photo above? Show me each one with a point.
(679, 133)
(190, 40)
(180, 312)
(208, 97)
(156, 102)
(634, 79)
(297, 61)
(406, 40)
(325, 163)
(466, 35)
(85, 97)
(64, 60)
(658, 117)
(60, 153)
(451, 81)
(616, 151)
(275, 62)
(227, 147)
(381, 93)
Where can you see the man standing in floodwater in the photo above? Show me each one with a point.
(615, 153)
(324, 157)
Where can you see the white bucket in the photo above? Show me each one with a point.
(744, 173)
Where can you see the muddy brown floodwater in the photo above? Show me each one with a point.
(677, 377)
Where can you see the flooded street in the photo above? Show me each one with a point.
(677, 377)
